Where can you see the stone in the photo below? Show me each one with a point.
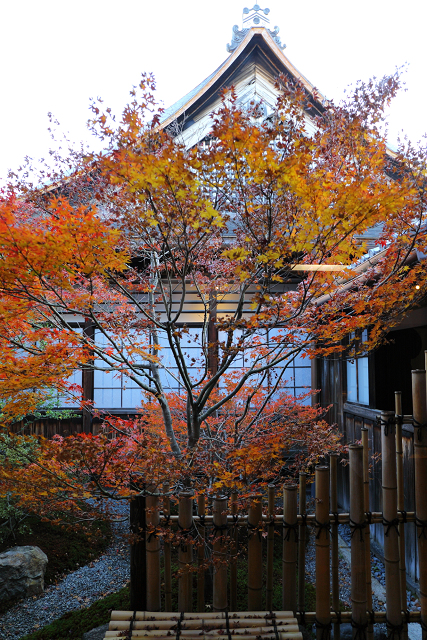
(96, 634)
(22, 572)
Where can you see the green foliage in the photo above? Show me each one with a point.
(19, 451)
(72, 625)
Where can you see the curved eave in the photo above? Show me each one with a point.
(257, 36)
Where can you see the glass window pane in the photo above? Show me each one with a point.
(107, 398)
(351, 381)
(303, 376)
(363, 380)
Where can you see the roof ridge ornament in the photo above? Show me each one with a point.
(255, 17)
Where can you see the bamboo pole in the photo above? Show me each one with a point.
(357, 521)
(420, 455)
(302, 508)
(255, 554)
(323, 614)
(167, 551)
(391, 542)
(400, 502)
(270, 548)
(219, 554)
(290, 547)
(366, 502)
(233, 560)
(138, 558)
(152, 547)
(185, 554)
(201, 510)
(334, 542)
(249, 618)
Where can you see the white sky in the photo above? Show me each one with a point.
(56, 54)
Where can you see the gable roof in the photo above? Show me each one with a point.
(258, 60)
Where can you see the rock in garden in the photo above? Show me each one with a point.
(22, 572)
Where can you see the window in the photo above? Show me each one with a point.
(358, 377)
(113, 389)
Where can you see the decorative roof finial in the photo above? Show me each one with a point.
(255, 17)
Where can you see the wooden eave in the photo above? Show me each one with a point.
(257, 41)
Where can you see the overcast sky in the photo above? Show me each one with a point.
(57, 54)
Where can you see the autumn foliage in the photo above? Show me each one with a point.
(149, 228)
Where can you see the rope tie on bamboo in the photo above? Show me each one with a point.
(326, 629)
(371, 616)
(419, 426)
(386, 423)
(227, 622)
(178, 626)
(394, 629)
(273, 620)
(132, 622)
(368, 515)
(406, 616)
(167, 519)
(391, 523)
(336, 517)
(338, 617)
(354, 526)
(202, 520)
(404, 519)
(322, 525)
(289, 528)
(399, 418)
(422, 524)
(360, 629)
(303, 519)
(220, 528)
(301, 615)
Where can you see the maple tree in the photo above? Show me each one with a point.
(149, 229)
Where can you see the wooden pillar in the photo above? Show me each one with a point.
(323, 612)
(420, 455)
(270, 548)
(185, 553)
(357, 521)
(302, 509)
(290, 547)
(233, 560)
(138, 566)
(400, 502)
(167, 551)
(219, 554)
(201, 510)
(366, 500)
(153, 551)
(390, 521)
(255, 554)
(334, 543)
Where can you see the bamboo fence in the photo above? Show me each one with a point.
(211, 533)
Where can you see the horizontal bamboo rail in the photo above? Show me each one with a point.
(280, 625)
(374, 517)
(270, 635)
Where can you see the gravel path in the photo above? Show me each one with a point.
(78, 590)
